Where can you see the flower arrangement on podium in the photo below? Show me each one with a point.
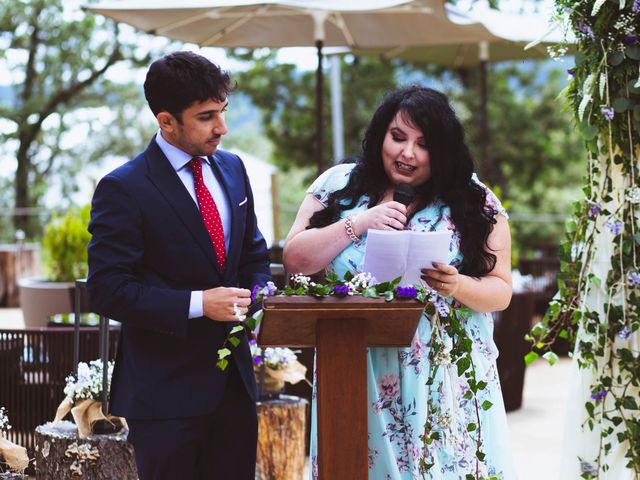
(83, 393)
(13, 456)
(449, 347)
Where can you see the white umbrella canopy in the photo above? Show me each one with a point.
(511, 33)
(286, 23)
(358, 24)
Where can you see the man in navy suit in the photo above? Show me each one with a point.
(174, 252)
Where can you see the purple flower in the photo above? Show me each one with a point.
(587, 468)
(607, 113)
(585, 28)
(269, 290)
(406, 292)
(633, 278)
(629, 39)
(571, 71)
(254, 292)
(635, 6)
(615, 227)
(442, 307)
(598, 395)
(595, 210)
(624, 333)
(257, 360)
(341, 290)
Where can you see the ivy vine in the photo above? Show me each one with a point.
(598, 302)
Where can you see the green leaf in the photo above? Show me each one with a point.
(486, 405)
(370, 293)
(616, 59)
(530, 357)
(589, 132)
(632, 51)
(222, 364)
(223, 352)
(621, 104)
(235, 341)
(236, 329)
(463, 365)
(580, 59)
(563, 334)
(550, 357)
(471, 427)
(348, 276)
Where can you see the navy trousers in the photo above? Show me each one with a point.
(218, 446)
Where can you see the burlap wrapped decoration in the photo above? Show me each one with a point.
(14, 455)
(86, 415)
(274, 379)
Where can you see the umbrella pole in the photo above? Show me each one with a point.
(319, 107)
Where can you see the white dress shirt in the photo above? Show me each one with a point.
(179, 161)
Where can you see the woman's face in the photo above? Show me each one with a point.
(404, 153)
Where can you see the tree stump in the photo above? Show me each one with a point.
(13, 476)
(60, 455)
(281, 438)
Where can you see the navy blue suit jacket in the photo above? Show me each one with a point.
(149, 250)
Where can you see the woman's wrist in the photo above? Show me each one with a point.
(350, 228)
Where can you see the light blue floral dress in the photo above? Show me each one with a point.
(397, 390)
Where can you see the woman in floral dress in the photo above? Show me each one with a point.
(415, 137)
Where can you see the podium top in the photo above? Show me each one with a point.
(292, 320)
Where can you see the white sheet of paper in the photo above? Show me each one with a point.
(393, 254)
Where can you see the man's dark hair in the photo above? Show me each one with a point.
(176, 81)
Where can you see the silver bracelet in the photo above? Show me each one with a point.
(349, 226)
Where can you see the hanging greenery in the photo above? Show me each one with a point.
(598, 303)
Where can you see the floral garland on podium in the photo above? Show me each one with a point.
(449, 346)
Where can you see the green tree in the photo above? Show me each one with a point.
(286, 100)
(57, 58)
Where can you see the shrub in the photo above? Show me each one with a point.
(64, 245)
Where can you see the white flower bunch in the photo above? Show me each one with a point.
(361, 281)
(5, 426)
(88, 385)
(279, 358)
(300, 280)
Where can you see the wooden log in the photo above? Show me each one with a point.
(13, 476)
(281, 438)
(60, 455)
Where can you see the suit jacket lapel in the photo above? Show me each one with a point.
(229, 184)
(163, 176)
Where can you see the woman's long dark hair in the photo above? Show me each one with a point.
(451, 170)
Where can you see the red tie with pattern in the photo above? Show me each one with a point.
(209, 211)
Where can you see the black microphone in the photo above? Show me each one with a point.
(403, 194)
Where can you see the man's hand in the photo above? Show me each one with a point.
(218, 303)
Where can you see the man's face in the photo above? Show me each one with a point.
(201, 129)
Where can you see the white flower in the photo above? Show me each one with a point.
(443, 357)
(633, 195)
(88, 385)
(279, 358)
(4, 421)
(300, 280)
(361, 281)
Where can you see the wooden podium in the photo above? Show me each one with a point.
(341, 329)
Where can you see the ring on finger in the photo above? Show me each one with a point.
(238, 313)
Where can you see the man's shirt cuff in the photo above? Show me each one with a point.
(196, 308)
